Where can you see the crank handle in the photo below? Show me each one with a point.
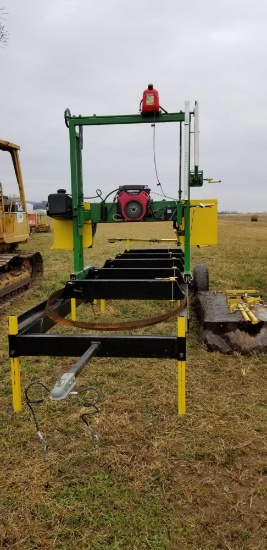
(211, 180)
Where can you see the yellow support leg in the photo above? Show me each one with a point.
(128, 244)
(15, 368)
(73, 309)
(181, 370)
(102, 306)
(94, 301)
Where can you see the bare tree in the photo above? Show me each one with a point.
(3, 31)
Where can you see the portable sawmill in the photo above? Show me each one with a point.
(137, 274)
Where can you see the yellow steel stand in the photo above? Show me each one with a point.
(73, 309)
(15, 367)
(181, 370)
(127, 244)
(102, 304)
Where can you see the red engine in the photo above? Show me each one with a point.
(150, 101)
(134, 202)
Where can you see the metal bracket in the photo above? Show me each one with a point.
(63, 386)
(67, 116)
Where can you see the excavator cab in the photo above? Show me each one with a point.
(14, 227)
(17, 270)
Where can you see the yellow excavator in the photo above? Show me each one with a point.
(18, 269)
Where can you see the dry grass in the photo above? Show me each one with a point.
(157, 481)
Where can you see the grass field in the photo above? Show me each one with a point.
(157, 481)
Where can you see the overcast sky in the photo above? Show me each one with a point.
(97, 56)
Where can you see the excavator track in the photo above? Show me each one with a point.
(19, 272)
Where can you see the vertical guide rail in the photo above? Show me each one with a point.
(186, 149)
(187, 190)
(181, 370)
(15, 367)
(196, 138)
(77, 197)
(180, 163)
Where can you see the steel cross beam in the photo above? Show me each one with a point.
(125, 119)
(121, 289)
(76, 345)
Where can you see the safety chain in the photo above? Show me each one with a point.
(91, 404)
(93, 409)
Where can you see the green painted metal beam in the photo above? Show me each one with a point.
(159, 208)
(125, 119)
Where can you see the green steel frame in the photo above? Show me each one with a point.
(27, 334)
(181, 207)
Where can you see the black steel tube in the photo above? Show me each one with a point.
(83, 360)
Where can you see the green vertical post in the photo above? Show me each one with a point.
(77, 197)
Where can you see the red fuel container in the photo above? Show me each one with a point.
(150, 102)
